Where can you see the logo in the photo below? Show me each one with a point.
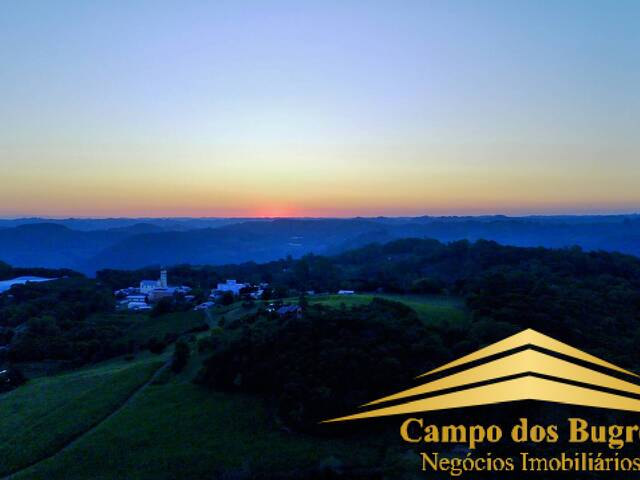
(526, 366)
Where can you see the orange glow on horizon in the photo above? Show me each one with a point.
(337, 182)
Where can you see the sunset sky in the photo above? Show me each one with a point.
(328, 108)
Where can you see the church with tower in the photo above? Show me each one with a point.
(148, 286)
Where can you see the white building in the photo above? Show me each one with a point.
(157, 289)
(136, 298)
(123, 292)
(204, 306)
(148, 286)
(231, 286)
(346, 292)
(137, 306)
(159, 293)
(257, 294)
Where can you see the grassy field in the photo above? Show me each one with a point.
(147, 327)
(174, 428)
(179, 430)
(430, 308)
(233, 312)
(40, 417)
(141, 326)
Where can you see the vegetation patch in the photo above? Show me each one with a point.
(432, 309)
(41, 417)
(181, 430)
(321, 363)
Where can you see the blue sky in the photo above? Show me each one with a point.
(319, 108)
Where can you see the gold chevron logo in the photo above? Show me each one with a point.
(525, 366)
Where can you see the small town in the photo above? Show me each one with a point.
(150, 292)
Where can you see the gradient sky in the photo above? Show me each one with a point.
(328, 108)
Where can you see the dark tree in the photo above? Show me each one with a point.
(227, 298)
(181, 354)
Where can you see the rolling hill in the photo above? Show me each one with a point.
(136, 419)
(135, 245)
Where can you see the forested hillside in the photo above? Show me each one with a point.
(418, 304)
(590, 298)
(586, 299)
(91, 245)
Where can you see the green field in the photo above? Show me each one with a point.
(140, 327)
(431, 308)
(232, 312)
(39, 418)
(147, 327)
(172, 428)
(179, 430)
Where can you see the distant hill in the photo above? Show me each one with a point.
(130, 244)
(89, 224)
(54, 246)
(243, 242)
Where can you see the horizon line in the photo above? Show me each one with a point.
(311, 217)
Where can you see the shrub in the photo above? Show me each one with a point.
(156, 346)
(11, 378)
(180, 358)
